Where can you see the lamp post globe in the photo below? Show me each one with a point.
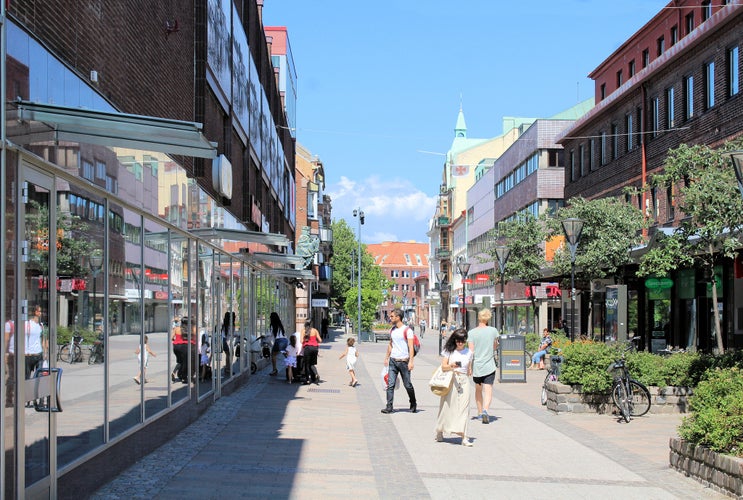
(463, 267)
(573, 229)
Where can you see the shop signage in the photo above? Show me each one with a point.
(658, 283)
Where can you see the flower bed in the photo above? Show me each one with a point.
(718, 471)
(571, 398)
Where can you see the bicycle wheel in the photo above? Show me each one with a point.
(77, 354)
(639, 399)
(621, 399)
(544, 388)
(64, 353)
(527, 359)
(93, 358)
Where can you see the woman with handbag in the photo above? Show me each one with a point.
(454, 407)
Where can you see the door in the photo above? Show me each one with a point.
(37, 292)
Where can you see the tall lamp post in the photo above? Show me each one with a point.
(441, 277)
(502, 252)
(405, 306)
(463, 267)
(95, 262)
(573, 228)
(360, 214)
(737, 158)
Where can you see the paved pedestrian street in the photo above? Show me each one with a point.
(271, 439)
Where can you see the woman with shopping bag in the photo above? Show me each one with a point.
(454, 406)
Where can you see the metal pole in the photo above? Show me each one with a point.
(358, 332)
(502, 296)
(572, 295)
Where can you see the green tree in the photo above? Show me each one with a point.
(610, 229)
(707, 195)
(524, 236)
(373, 281)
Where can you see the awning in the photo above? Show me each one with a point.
(209, 233)
(280, 258)
(32, 122)
(300, 274)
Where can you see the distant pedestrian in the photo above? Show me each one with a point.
(423, 327)
(291, 358)
(310, 346)
(204, 359)
(276, 330)
(143, 357)
(351, 355)
(454, 407)
(483, 341)
(324, 328)
(399, 359)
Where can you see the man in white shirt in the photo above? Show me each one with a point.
(399, 358)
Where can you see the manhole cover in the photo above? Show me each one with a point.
(324, 390)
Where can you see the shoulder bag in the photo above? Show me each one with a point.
(441, 381)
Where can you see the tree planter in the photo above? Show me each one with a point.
(567, 398)
(718, 471)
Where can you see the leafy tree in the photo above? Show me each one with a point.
(610, 229)
(524, 236)
(707, 195)
(373, 281)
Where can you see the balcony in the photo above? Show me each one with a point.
(443, 253)
(443, 220)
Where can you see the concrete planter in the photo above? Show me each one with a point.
(571, 398)
(723, 473)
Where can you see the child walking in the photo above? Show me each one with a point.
(291, 358)
(204, 358)
(143, 362)
(351, 356)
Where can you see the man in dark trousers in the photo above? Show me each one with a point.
(399, 358)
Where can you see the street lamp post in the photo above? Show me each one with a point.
(441, 277)
(502, 252)
(95, 262)
(360, 214)
(737, 159)
(463, 267)
(405, 306)
(573, 228)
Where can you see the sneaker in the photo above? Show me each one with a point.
(439, 437)
(466, 442)
(414, 408)
(273, 373)
(485, 418)
(387, 410)
(136, 380)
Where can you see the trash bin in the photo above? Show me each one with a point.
(511, 358)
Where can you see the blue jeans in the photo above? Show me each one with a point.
(538, 356)
(400, 367)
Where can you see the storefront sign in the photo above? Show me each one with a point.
(658, 283)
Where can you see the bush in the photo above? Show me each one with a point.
(646, 368)
(586, 363)
(716, 419)
(677, 370)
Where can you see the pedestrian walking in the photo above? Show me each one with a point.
(483, 341)
(291, 359)
(399, 359)
(351, 354)
(276, 330)
(454, 406)
(310, 346)
(143, 356)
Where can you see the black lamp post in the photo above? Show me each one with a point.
(573, 228)
(463, 267)
(95, 262)
(441, 277)
(502, 252)
(360, 214)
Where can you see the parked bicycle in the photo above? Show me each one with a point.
(630, 396)
(96, 351)
(553, 372)
(71, 352)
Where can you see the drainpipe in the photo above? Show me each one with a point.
(644, 162)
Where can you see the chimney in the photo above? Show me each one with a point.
(269, 43)
(259, 3)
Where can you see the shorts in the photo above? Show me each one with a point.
(280, 344)
(487, 379)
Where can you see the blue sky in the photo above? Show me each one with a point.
(378, 82)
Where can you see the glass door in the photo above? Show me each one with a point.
(38, 246)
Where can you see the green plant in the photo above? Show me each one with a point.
(585, 364)
(646, 368)
(676, 369)
(716, 419)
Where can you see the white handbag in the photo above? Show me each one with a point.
(441, 381)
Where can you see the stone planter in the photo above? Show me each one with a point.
(567, 398)
(723, 473)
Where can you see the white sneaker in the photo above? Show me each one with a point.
(466, 442)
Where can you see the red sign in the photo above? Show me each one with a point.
(481, 278)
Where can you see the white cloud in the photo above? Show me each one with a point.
(394, 208)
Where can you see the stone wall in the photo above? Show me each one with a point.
(566, 398)
(723, 473)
